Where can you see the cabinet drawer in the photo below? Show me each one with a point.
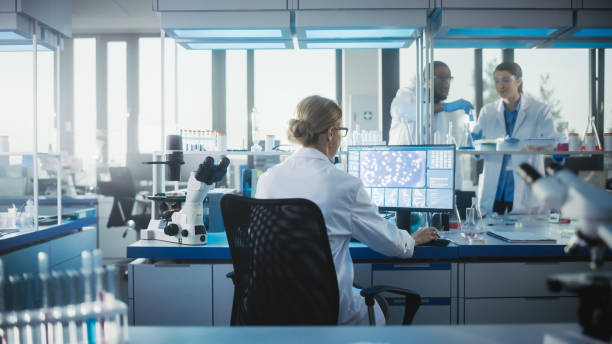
(432, 311)
(72, 245)
(521, 310)
(172, 294)
(429, 280)
(515, 279)
(223, 294)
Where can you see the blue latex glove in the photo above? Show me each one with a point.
(559, 159)
(459, 104)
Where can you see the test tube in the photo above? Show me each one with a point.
(59, 306)
(75, 328)
(86, 306)
(3, 315)
(46, 317)
(13, 317)
(98, 275)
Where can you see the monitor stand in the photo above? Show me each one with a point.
(402, 219)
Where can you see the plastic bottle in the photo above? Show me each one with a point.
(29, 213)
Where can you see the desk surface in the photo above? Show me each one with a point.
(472, 334)
(88, 200)
(26, 237)
(460, 248)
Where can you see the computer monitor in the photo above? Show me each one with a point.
(411, 178)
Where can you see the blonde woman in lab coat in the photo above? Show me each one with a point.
(516, 115)
(347, 209)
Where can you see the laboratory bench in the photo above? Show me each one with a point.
(568, 333)
(63, 243)
(463, 283)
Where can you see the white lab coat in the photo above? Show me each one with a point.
(347, 211)
(533, 121)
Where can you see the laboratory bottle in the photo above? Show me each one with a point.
(591, 136)
(454, 220)
(450, 139)
(563, 144)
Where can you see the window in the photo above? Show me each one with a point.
(16, 95)
(407, 67)
(283, 78)
(194, 89)
(192, 110)
(117, 103)
(461, 64)
(490, 59)
(564, 89)
(236, 98)
(149, 92)
(85, 145)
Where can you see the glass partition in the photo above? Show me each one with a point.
(563, 88)
(283, 78)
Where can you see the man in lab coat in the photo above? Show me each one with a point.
(347, 209)
(403, 114)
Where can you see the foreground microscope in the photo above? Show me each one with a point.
(565, 191)
(182, 220)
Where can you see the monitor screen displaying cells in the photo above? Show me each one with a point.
(411, 177)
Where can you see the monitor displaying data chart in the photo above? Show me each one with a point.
(419, 178)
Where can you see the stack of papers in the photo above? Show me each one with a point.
(521, 237)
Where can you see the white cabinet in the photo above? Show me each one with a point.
(521, 310)
(436, 283)
(169, 294)
(515, 292)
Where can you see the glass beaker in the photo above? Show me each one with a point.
(466, 139)
(591, 136)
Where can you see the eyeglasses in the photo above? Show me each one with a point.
(343, 131)
(505, 80)
(443, 79)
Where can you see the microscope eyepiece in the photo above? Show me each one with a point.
(528, 173)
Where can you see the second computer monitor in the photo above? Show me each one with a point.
(417, 178)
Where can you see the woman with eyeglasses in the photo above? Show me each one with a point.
(514, 116)
(346, 207)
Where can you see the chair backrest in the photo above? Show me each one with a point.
(283, 266)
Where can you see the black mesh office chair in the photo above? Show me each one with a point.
(123, 190)
(283, 267)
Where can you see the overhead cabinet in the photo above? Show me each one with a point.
(216, 5)
(361, 4)
(55, 15)
(517, 4)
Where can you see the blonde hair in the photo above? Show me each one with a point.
(313, 116)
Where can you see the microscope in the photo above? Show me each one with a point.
(182, 217)
(565, 191)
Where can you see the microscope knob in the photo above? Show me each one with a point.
(171, 229)
(184, 232)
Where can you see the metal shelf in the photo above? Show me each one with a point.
(570, 153)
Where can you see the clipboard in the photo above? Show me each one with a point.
(522, 237)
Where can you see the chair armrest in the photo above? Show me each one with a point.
(231, 275)
(373, 291)
(413, 300)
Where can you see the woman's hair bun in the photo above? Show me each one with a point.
(300, 131)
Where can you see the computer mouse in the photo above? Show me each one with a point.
(438, 242)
